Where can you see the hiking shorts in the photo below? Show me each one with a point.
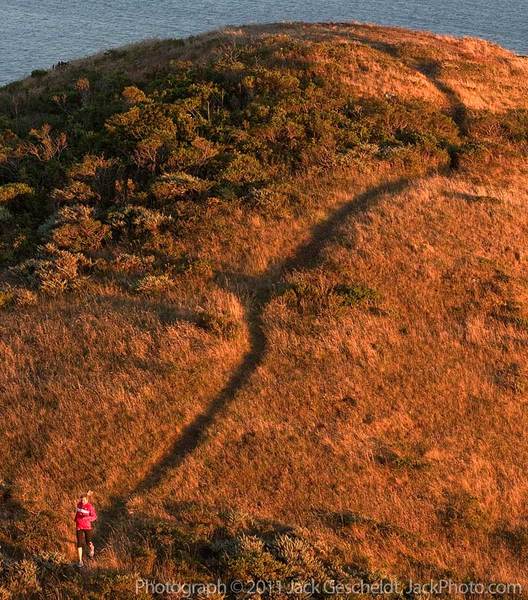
(84, 537)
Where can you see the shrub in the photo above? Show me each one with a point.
(268, 201)
(300, 557)
(138, 221)
(284, 557)
(154, 284)
(243, 169)
(5, 594)
(145, 558)
(59, 272)
(140, 122)
(191, 265)
(250, 561)
(38, 73)
(91, 165)
(133, 95)
(351, 295)
(45, 146)
(133, 262)
(5, 215)
(148, 154)
(178, 186)
(74, 228)
(310, 296)
(392, 122)
(510, 313)
(236, 519)
(194, 155)
(510, 377)
(461, 509)
(50, 563)
(23, 578)
(493, 132)
(82, 85)
(17, 296)
(99, 176)
(13, 191)
(75, 192)
(314, 293)
(389, 457)
(217, 324)
(516, 539)
(6, 297)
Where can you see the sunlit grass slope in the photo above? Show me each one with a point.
(264, 291)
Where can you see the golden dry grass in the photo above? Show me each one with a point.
(390, 432)
(390, 416)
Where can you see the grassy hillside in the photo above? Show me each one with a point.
(264, 291)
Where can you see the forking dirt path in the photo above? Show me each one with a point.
(256, 293)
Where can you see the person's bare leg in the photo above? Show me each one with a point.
(80, 554)
(91, 550)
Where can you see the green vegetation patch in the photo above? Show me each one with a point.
(97, 162)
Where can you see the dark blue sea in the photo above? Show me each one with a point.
(38, 33)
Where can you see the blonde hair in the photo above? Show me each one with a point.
(87, 494)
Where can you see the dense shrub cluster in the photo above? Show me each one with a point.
(98, 162)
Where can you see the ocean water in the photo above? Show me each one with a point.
(38, 33)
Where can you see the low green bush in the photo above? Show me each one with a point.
(138, 221)
(17, 297)
(510, 377)
(461, 509)
(314, 293)
(58, 271)
(75, 228)
(38, 73)
(5, 215)
(351, 295)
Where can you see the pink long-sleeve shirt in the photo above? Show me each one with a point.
(84, 516)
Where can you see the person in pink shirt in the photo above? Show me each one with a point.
(85, 515)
